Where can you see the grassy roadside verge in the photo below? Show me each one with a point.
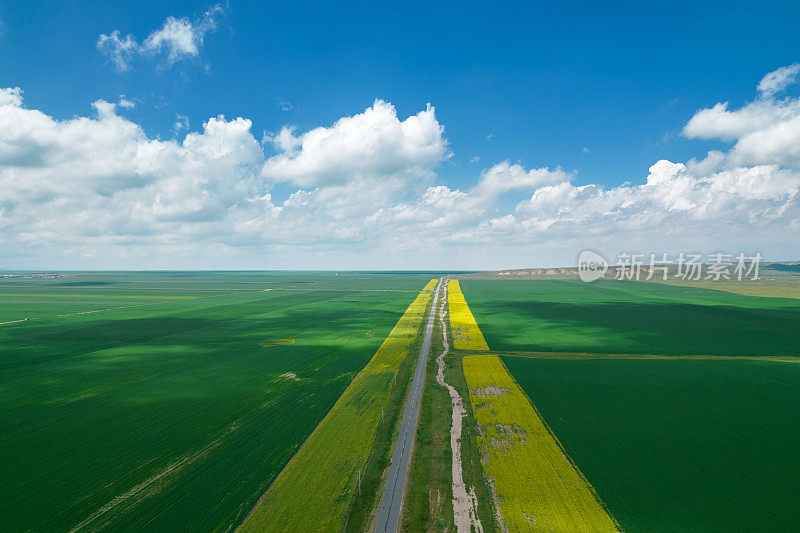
(364, 507)
(429, 494)
(316, 489)
(428, 502)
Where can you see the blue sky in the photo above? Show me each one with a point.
(601, 92)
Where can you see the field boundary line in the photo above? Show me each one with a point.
(561, 447)
(577, 356)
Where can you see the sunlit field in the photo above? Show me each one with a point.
(174, 408)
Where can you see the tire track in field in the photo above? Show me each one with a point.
(149, 487)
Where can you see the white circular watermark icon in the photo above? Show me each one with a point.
(591, 265)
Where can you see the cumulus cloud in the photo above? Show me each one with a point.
(370, 145)
(178, 38)
(102, 178)
(11, 96)
(765, 131)
(505, 177)
(363, 192)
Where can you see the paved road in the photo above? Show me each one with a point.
(392, 499)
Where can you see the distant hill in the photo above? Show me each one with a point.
(789, 267)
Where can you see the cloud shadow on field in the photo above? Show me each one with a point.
(651, 328)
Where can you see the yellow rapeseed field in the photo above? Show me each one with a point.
(537, 486)
(431, 285)
(314, 491)
(466, 333)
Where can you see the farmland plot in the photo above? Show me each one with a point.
(678, 445)
(466, 333)
(315, 490)
(537, 487)
(178, 414)
(534, 484)
(629, 317)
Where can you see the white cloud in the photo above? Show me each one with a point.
(505, 177)
(181, 123)
(363, 193)
(370, 145)
(11, 96)
(125, 103)
(178, 38)
(765, 131)
(118, 49)
(779, 79)
(99, 180)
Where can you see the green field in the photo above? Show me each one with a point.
(317, 488)
(630, 317)
(678, 445)
(177, 413)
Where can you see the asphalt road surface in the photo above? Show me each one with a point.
(392, 499)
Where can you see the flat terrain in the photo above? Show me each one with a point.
(316, 489)
(392, 500)
(466, 333)
(630, 317)
(678, 445)
(537, 486)
(429, 495)
(172, 400)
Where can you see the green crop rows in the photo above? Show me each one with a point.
(678, 445)
(315, 491)
(670, 442)
(630, 317)
(169, 405)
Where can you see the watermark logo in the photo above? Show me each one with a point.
(591, 265)
(685, 266)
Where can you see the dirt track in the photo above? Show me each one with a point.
(465, 503)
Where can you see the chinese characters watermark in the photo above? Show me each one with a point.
(717, 266)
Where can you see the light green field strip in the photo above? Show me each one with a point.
(116, 296)
(466, 333)
(536, 486)
(315, 490)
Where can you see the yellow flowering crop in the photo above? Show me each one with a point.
(314, 491)
(466, 333)
(538, 487)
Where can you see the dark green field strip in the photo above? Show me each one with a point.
(97, 291)
(630, 317)
(202, 282)
(639, 356)
(111, 296)
(79, 334)
(173, 415)
(678, 445)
